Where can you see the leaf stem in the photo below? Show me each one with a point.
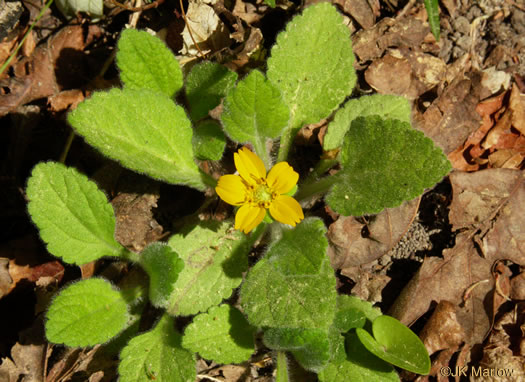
(315, 187)
(208, 180)
(126, 254)
(282, 368)
(286, 143)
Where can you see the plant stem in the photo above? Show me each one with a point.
(262, 152)
(286, 143)
(130, 256)
(315, 186)
(282, 367)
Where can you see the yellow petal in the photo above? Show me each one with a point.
(287, 210)
(282, 178)
(231, 189)
(249, 165)
(248, 217)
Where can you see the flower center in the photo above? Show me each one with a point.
(261, 195)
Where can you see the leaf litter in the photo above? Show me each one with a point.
(464, 269)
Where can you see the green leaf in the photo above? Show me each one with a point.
(86, 313)
(143, 130)
(73, 215)
(360, 366)
(293, 286)
(312, 65)
(157, 355)
(312, 348)
(222, 335)
(353, 312)
(215, 256)
(384, 105)
(146, 63)
(70, 8)
(163, 266)
(385, 162)
(432, 7)
(206, 84)
(208, 141)
(254, 112)
(270, 3)
(397, 344)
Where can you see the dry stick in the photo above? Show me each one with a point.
(154, 4)
(189, 28)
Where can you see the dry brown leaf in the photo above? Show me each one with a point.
(518, 287)
(442, 330)
(451, 117)
(54, 66)
(517, 106)
(461, 273)
(360, 10)
(406, 73)
(352, 248)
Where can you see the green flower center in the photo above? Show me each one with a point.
(263, 194)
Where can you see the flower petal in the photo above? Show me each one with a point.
(250, 166)
(248, 217)
(231, 189)
(282, 178)
(287, 210)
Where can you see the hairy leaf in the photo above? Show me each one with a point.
(206, 84)
(385, 162)
(86, 313)
(145, 62)
(254, 112)
(360, 365)
(143, 130)
(73, 215)
(157, 355)
(222, 335)
(163, 266)
(384, 105)
(312, 65)
(215, 256)
(208, 140)
(296, 277)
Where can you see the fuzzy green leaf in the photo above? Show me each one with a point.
(206, 84)
(312, 65)
(208, 141)
(215, 256)
(296, 277)
(385, 162)
(384, 105)
(254, 112)
(157, 355)
(70, 8)
(432, 7)
(360, 366)
(145, 62)
(397, 344)
(86, 313)
(163, 266)
(143, 130)
(73, 215)
(312, 348)
(353, 312)
(222, 335)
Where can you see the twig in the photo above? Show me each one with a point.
(154, 4)
(189, 28)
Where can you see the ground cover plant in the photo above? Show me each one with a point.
(221, 289)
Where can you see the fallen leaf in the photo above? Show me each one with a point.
(518, 287)
(360, 10)
(442, 330)
(355, 243)
(405, 73)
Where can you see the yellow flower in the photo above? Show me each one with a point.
(255, 192)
